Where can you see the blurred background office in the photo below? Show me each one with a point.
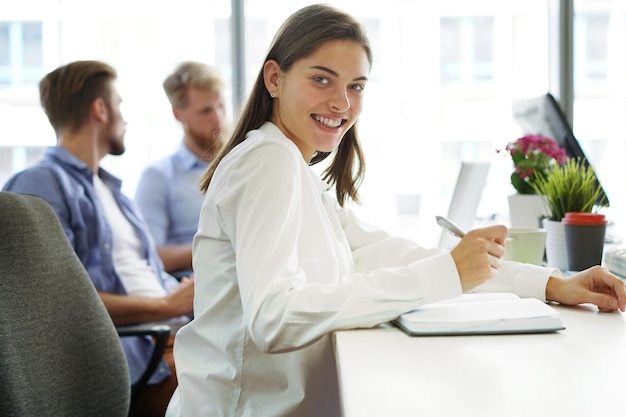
(440, 91)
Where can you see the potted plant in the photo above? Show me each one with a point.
(571, 187)
(532, 155)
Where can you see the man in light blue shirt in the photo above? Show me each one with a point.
(167, 193)
(102, 225)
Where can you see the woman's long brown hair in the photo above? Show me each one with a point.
(299, 36)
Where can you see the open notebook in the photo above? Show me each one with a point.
(486, 313)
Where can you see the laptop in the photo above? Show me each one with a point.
(465, 199)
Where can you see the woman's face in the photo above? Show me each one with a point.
(320, 97)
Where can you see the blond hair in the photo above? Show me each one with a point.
(191, 74)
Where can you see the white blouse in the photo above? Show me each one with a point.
(279, 266)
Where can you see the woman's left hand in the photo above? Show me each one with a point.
(595, 285)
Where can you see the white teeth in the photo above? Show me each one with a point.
(328, 122)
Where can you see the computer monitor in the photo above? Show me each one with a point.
(543, 116)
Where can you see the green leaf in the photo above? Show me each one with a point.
(571, 187)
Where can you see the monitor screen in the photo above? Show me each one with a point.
(543, 116)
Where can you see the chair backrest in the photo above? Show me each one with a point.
(60, 354)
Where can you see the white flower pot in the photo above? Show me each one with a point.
(527, 210)
(556, 248)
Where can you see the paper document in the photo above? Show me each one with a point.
(492, 313)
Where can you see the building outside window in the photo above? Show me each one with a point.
(21, 53)
(21, 66)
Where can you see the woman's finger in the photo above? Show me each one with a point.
(494, 261)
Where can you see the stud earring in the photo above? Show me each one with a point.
(273, 95)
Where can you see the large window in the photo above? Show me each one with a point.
(599, 118)
(466, 49)
(21, 67)
(143, 43)
(21, 53)
(440, 90)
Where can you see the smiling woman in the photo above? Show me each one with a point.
(269, 237)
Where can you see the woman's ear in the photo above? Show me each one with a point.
(271, 75)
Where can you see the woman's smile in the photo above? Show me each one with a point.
(329, 122)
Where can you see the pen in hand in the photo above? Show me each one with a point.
(449, 225)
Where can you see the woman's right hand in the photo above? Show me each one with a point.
(478, 254)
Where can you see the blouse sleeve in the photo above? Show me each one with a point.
(374, 248)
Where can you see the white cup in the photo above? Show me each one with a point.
(525, 245)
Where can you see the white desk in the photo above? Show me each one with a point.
(579, 371)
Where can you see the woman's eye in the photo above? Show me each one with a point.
(321, 80)
(358, 87)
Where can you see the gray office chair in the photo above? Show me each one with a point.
(60, 354)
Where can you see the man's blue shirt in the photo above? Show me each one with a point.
(169, 198)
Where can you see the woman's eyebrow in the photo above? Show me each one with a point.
(334, 73)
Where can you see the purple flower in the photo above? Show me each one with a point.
(532, 154)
